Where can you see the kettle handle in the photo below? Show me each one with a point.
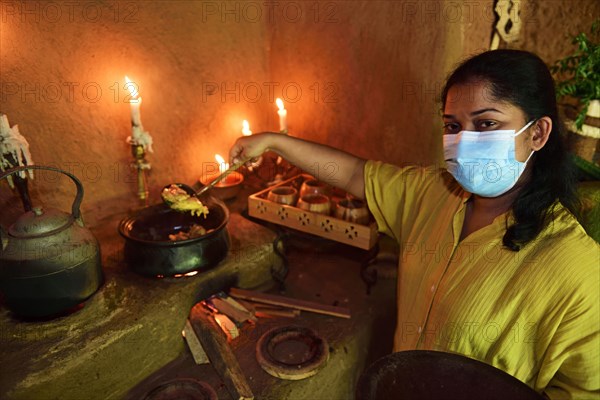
(78, 197)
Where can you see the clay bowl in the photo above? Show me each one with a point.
(353, 211)
(313, 186)
(283, 195)
(316, 203)
(149, 251)
(227, 189)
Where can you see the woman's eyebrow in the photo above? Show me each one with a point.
(478, 112)
(474, 113)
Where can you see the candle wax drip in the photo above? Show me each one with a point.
(13, 146)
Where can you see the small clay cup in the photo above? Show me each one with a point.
(227, 189)
(316, 203)
(283, 195)
(313, 186)
(353, 211)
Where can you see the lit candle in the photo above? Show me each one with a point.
(282, 116)
(247, 132)
(225, 188)
(246, 128)
(134, 102)
(223, 166)
(139, 137)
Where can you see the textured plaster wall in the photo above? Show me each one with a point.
(385, 63)
(360, 75)
(62, 68)
(550, 25)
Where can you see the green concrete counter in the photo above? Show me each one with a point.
(127, 330)
(322, 272)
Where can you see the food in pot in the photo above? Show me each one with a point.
(194, 232)
(180, 200)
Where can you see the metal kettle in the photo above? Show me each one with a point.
(49, 261)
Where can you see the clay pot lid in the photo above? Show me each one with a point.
(183, 389)
(292, 352)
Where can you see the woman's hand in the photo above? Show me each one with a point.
(333, 166)
(251, 147)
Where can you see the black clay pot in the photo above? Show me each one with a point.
(425, 374)
(148, 250)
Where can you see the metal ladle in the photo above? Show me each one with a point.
(189, 190)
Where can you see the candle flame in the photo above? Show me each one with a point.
(279, 104)
(246, 128)
(223, 166)
(132, 87)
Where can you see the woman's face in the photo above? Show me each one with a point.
(472, 107)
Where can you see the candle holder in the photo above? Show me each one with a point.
(141, 165)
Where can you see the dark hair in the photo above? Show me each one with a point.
(522, 79)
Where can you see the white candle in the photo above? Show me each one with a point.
(223, 166)
(134, 103)
(282, 116)
(246, 128)
(138, 136)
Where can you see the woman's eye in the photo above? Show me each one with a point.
(487, 124)
(451, 128)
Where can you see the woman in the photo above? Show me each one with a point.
(493, 263)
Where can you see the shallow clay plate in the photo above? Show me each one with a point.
(292, 352)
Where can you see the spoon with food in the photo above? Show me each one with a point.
(181, 197)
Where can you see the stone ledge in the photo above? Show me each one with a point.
(322, 272)
(130, 328)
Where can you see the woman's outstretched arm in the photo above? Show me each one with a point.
(333, 166)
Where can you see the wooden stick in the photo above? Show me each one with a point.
(290, 303)
(193, 343)
(220, 354)
(233, 302)
(231, 311)
(227, 326)
(273, 312)
(247, 304)
(268, 307)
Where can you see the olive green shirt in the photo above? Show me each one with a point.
(532, 313)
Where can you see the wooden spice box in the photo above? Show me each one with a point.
(326, 226)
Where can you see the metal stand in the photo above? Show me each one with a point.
(141, 165)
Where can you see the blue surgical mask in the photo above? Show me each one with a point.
(484, 163)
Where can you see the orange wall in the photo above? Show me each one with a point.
(359, 75)
(380, 66)
(62, 76)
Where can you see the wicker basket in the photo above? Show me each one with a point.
(584, 142)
